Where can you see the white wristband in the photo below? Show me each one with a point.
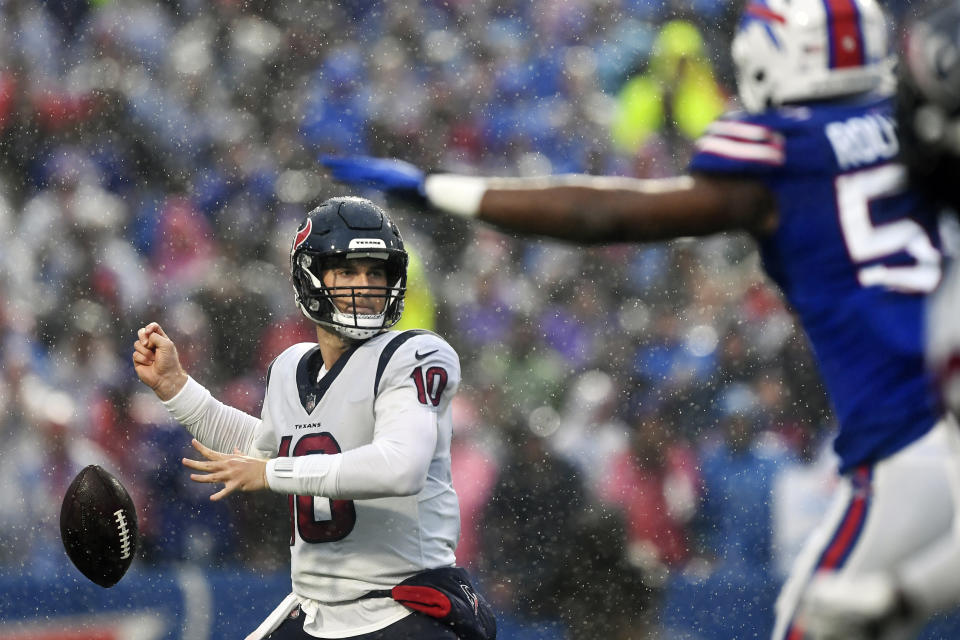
(456, 194)
(280, 475)
(310, 475)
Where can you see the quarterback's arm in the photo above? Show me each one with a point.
(216, 425)
(595, 209)
(213, 423)
(394, 464)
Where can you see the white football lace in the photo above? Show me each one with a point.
(124, 534)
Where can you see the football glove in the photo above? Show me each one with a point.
(394, 177)
(865, 607)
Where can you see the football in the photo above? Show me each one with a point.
(98, 526)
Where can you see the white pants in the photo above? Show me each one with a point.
(887, 516)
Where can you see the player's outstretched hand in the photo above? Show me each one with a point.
(862, 607)
(236, 471)
(156, 362)
(395, 177)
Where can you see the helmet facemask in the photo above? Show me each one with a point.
(318, 301)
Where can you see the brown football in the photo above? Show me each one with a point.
(98, 526)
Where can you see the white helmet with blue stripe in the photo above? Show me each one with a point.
(789, 51)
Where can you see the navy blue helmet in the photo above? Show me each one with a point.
(339, 229)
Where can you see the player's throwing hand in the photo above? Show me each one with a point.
(156, 362)
(236, 471)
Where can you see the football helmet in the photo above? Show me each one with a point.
(348, 228)
(928, 101)
(789, 51)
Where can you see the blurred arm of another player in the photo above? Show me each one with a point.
(577, 208)
(216, 427)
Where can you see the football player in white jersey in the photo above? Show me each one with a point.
(355, 429)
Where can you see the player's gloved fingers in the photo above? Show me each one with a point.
(343, 169)
(381, 173)
(338, 165)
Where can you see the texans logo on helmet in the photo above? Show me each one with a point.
(303, 234)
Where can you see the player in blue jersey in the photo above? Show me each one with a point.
(810, 169)
(928, 112)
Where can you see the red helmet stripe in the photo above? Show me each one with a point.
(302, 234)
(764, 13)
(844, 35)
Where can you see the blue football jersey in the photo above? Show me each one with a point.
(855, 252)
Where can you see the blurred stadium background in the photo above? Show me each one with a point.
(642, 441)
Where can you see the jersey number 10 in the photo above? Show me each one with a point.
(303, 520)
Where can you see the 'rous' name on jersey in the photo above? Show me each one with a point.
(863, 140)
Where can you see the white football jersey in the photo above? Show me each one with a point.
(343, 548)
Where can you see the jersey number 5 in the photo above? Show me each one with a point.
(866, 242)
(303, 514)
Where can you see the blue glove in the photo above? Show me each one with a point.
(385, 174)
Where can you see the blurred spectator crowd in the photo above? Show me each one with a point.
(630, 414)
